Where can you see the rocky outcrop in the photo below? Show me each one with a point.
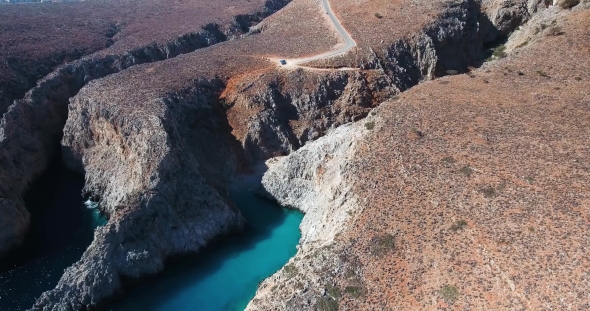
(157, 172)
(311, 180)
(504, 16)
(32, 127)
(315, 180)
(277, 112)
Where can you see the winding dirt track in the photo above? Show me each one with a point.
(349, 43)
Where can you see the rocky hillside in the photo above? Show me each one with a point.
(32, 126)
(465, 192)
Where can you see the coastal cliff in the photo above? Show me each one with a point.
(159, 188)
(32, 126)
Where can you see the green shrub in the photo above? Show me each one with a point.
(326, 304)
(449, 293)
(542, 73)
(378, 15)
(383, 244)
(333, 291)
(370, 125)
(459, 225)
(498, 52)
(354, 291)
(290, 269)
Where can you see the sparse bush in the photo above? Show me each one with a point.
(333, 291)
(378, 15)
(554, 31)
(578, 78)
(417, 132)
(459, 225)
(354, 291)
(466, 170)
(542, 73)
(449, 293)
(326, 304)
(290, 269)
(525, 43)
(370, 125)
(488, 192)
(382, 244)
(520, 73)
(448, 160)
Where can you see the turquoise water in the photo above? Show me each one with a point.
(224, 276)
(62, 227)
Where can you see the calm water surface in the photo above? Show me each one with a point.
(224, 276)
(62, 227)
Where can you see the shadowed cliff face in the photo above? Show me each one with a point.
(32, 127)
(158, 187)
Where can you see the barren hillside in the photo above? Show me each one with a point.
(468, 191)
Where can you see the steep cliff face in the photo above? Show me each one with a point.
(156, 173)
(32, 127)
(278, 111)
(315, 180)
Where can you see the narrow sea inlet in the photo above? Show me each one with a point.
(225, 275)
(62, 227)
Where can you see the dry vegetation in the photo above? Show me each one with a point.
(377, 24)
(512, 234)
(35, 38)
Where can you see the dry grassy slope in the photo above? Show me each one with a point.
(35, 38)
(284, 32)
(402, 20)
(505, 150)
(473, 191)
(375, 25)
